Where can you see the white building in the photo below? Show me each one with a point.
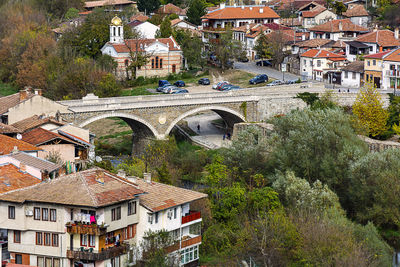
(337, 29)
(391, 70)
(358, 15)
(380, 40)
(353, 74)
(316, 16)
(146, 29)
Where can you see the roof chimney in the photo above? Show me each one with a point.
(251, 8)
(147, 177)
(396, 33)
(222, 5)
(23, 94)
(242, 7)
(38, 91)
(121, 173)
(340, 26)
(15, 150)
(261, 10)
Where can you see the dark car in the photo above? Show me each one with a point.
(262, 78)
(264, 63)
(161, 83)
(204, 81)
(180, 91)
(228, 87)
(179, 83)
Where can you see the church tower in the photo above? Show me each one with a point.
(116, 31)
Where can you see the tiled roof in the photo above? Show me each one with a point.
(139, 17)
(161, 196)
(38, 163)
(40, 136)
(242, 13)
(12, 178)
(7, 102)
(171, 9)
(339, 44)
(90, 188)
(394, 55)
(378, 55)
(320, 53)
(8, 129)
(383, 38)
(355, 66)
(33, 122)
(334, 26)
(8, 144)
(313, 12)
(93, 4)
(75, 138)
(139, 44)
(356, 11)
(314, 43)
(175, 21)
(308, 4)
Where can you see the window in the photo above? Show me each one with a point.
(160, 63)
(53, 215)
(175, 211)
(368, 62)
(18, 258)
(156, 217)
(189, 254)
(39, 238)
(45, 214)
(47, 239)
(36, 213)
(305, 63)
(156, 62)
(92, 240)
(327, 36)
(17, 236)
(131, 208)
(346, 74)
(374, 62)
(49, 262)
(56, 262)
(116, 214)
(152, 63)
(131, 231)
(54, 240)
(354, 75)
(11, 212)
(126, 63)
(40, 261)
(84, 240)
(115, 262)
(318, 63)
(150, 218)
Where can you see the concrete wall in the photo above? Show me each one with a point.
(66, 151)
(37, 105)
(125, 219)
(351, 81)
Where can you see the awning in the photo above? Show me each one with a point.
(357, 44)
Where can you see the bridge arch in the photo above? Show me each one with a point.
(123, 116)
(216, 109)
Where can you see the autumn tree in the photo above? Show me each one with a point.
(148, 6)
(226, 49)
(369, 110)
(272, 46)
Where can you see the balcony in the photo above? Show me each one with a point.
(212, 29)
(91, 255)
(88, 229)
(193, 215)
(187, 241)
(393, 73)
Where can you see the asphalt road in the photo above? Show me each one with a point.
(273, 73)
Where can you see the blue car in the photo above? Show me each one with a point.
(180, 91)
(161, 83)
(262, 78)
(179, 83)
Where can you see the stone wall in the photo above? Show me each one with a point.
(378, 146)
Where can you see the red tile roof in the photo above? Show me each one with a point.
(139, 17)
(133, 44)
(313, 12)
(314, 43)
(35, 121)
(320, 53)
(12, 178)
(242, 13)
(383, 38)
(356, 11)
(377, 55)
(339, 25)
(8, 129)
(40, 136)
(8, 144)
(90, 188)
(171, 9)
(394, 55)
(101, 3)
(7, 102)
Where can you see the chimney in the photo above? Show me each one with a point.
(396, 33)
(38, 91)
(15, 150)
(340, 26)
(303, 37)
(251, 8)
(22, 167)
(121, 173)
(243, 7)
(376, 28)
(23, 94)
(147, 177)
(131, 179)
(261, 10)
(222, 5)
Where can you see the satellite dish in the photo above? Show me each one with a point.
(19, 136)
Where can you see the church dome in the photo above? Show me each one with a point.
(116, 21)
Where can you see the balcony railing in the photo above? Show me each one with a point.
(212, 29)
(393, 73)
(186, 242)
(91, 255)
(88, 229)
(193, 215)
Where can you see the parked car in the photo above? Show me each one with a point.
(180, 91)
(161, 88)
(179, 83)
(264, 63)
(243, 59)
(219, 84)
(276, 82)
(262, 78)
(161, 83)
(204, 81)
(228, 87)
(169, 89)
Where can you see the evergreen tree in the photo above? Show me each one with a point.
(197, 9)
(165, 29)
(148, 6)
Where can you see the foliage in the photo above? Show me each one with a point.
(148, 6)
(226, 49)
(391, 15)
(271, 46)
(368, 108)
(7, 89)
(339, 7)
(262, 47)
(71, 13)
(58, 8)
(163, 174)
(308, 98)
(108, 86)
(156, 19)
(191, 47)
(133, 166)
(55, 157)
(159, 151)
(165, 29)
(197, 9)
(262, 200)
(228, 202)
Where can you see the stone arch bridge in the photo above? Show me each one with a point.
(156, 115)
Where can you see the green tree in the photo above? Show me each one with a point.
(228, 202)
(369, 110)
(108, 86)
(226, 49)
(272, 46)
(217, 173)
(339, 7)
(165, 29)
(197, 9)
(71, 13)
(191, 47)
(148, 6)
(262, 48)
(163, 174)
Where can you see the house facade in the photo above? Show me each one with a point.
(380, 40)
(316, 16)
(163, 55)
(146, 29)
(353, 74)
(337, 29)
(373, 68)
(358, 15)
(391, 70)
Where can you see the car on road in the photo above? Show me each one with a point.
(180, 91)
(161, 88)
(204, 81)
(219, 84)
(264, 63)
(276, 82)
(243, 59)
(179, 83)
(262, 78)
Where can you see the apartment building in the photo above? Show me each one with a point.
(391, 71)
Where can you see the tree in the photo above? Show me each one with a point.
(191, 47)
(148, 6)
(339, 7)
(369, 110)
(138, 56)
(226, 49)
(391, 15)
(163, 174)
(272, 46)
(71, 13)
(262, 47)
(108, 86)
(165, 29)
(197, 9)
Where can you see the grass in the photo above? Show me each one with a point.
(115, 135)
(7, 89)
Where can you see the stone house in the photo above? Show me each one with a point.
(353, 74)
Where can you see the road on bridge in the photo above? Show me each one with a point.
(273, 73)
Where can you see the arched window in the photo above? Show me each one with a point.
(119, 31)
(156, 62)
(114, 31)
(126, 63)
(160, 63)
(152, 63)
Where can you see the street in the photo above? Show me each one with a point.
(273, 73)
